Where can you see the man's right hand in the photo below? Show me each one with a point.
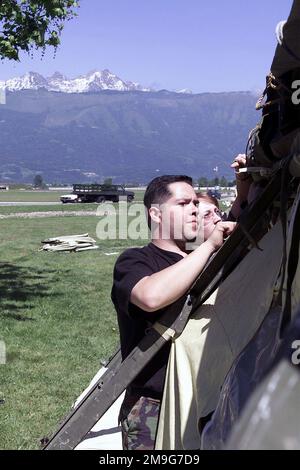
(243, 180)
(221, 231)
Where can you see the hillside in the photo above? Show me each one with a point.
(128, 135)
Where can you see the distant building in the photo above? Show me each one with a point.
(3, 187)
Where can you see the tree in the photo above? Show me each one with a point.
(107, 181)
(202, 182)
(216, 182)
(38, 182)
(29, 24)
(223, 182)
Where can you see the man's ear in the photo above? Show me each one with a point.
(155, 214)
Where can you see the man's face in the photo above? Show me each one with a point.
(209, 216)
(179, 214)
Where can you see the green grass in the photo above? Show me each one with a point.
(45, 196)
(40, 208)
(57, 321)
(31, 196)
(5, 210)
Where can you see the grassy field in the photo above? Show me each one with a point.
(57, 322)
(9, 209)
(45, 196)
(30, 196)
(5, 210)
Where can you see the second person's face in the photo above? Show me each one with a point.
(209, 216)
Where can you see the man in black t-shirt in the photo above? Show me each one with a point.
(147, 281)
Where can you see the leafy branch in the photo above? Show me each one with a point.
(32, 24)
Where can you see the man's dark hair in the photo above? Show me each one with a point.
(158, 190)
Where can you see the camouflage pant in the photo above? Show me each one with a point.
(139, 420)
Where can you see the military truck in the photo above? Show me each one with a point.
(97, 193)
(214, 193)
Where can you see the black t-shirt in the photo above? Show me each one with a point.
(130, 268)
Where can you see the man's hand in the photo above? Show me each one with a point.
(243, 184)
(160, 289)
(239, 162)
(243, 180)
(221, 231)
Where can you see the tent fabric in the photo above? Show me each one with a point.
(251, 366)
(106, 434)
(271, 419)
(283, 60)
(247, 371)
(295, 290)
(214, 336)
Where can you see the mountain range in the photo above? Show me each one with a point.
(91, 82)
(129, 135)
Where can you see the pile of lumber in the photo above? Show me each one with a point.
(70, 243)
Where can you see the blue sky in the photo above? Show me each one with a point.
(203, 45)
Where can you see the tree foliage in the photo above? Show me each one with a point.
(205, 182)
(108, 181)
(223, 182)
(202, 182)
(32, 24)
(38, 182)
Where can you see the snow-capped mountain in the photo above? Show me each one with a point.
(30, 81)
(94, 81)
(185, 91)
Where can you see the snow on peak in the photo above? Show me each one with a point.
(185, 90)
(91, 82)
(30, 80)
(57, 76)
